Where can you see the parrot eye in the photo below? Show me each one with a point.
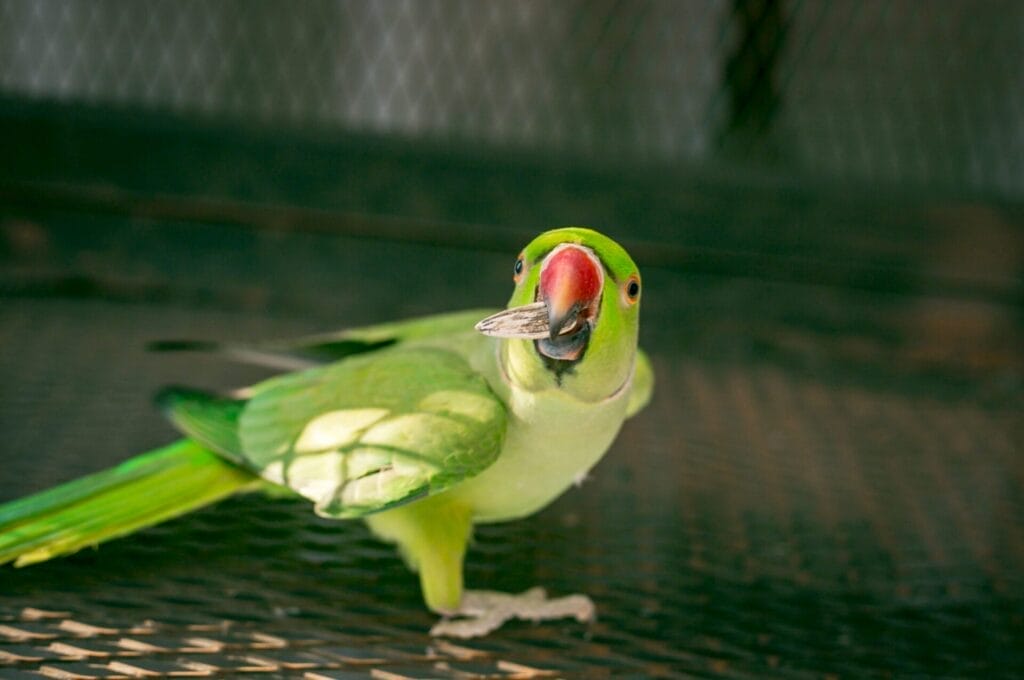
(517, 269)
(632, 289)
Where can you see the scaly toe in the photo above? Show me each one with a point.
(484, 611)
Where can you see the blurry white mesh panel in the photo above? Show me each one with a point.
(572, 75)
(930, 93)
(888, 91)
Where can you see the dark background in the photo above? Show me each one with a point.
(825, 199)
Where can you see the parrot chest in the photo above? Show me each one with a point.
(551, 443)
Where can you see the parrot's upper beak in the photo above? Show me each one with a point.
(569, 294)
(570, 283)
(570, 286)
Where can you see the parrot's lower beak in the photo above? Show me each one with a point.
(568, 331)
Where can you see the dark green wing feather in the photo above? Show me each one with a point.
(314, 350)
(210, 419)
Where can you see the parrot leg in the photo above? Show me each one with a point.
(431, 535)
(483, 611)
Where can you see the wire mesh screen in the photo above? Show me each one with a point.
(903, 93)
(844, 511)
(823, 197)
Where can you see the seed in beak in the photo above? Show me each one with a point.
(529, 322)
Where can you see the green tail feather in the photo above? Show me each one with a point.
(138, 493)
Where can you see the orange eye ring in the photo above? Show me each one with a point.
(517, 269)
(631, 289)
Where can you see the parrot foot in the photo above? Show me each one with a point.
(484, 611)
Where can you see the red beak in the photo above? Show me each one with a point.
(570, 284)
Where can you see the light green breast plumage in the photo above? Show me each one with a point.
(552, 442)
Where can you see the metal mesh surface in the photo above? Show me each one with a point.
(829, 481)
(896, 93)
(788, 506)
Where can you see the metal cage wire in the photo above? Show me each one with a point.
(898, 93)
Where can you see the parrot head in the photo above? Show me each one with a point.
(573, 317)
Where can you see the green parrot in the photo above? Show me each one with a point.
(422, 428)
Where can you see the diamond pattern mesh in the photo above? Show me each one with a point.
(829, 480)
(810, 493)
(902, 92)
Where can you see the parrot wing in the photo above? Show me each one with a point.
(360, 435)
(324, 348)
(212, 420)
(643, 384)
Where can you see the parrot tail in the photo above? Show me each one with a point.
(138, 493)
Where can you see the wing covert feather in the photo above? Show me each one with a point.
(373, 431)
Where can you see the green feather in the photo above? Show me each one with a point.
(140, 492)
(209, 419)
(324, 348)
(372, 432)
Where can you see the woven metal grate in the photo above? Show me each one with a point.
(830, 480)
(53, 645)
(823, 486)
